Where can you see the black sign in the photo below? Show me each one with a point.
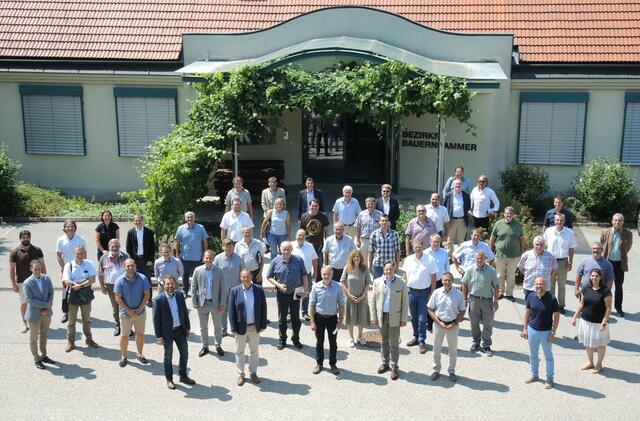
(417, 140)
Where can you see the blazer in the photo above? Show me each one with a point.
(394, 210)
(466, 205)
(238, 312)
(398, 306)
(265, 198)
(162, 318)
(148, 242)
(302, 201)
(37, 300)
(220, 292)
(626, 241)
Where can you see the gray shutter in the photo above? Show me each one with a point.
(53, 124)
(631, 135)
(551, 132)
(141, 121)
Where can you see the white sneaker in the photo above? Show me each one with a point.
(352, 344)
(25, 328)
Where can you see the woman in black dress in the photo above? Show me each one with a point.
(105, 231)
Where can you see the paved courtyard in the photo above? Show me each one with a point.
(88, 384)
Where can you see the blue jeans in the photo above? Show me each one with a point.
(189, 266)
(377, 271)
(181, 341)
(418, 309)
(537, 338)
(274, 241)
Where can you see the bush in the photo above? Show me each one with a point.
(407, 213)
(527, 184)
(603, 188)
(9, 170)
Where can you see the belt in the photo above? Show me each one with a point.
(457, 217)
(326, 316)
(178, 327)
(562, 258)
(448, 323)
(208, 300)
(251, 324)
(349, 225)
(481, 298)
(418, 289)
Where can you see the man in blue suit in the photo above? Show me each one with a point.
(248, 318)
(306, 195)
(171, 324)
(39, 292)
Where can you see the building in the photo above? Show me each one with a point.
(86, 85)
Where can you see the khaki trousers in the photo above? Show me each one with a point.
(85, 312)
(560, 280)
(252, 337)
(452, 344)
(506, 269)
(39, 330)
(457, 231)
(390, 342)
(364, 249)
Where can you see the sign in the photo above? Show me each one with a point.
(431, 140)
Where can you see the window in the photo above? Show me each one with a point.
(52, 117)
(143, 115)
(552, 127)
(631, 134)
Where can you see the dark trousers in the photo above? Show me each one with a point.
(141, 267)
(287, 305)
(481, 222)
(327, 323)
(181, 342)
(337, 274)
(305, 302)
(254, 276)
(619, 275)
(429, 319)
(189, 266)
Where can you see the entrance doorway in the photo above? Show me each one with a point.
(342, 151)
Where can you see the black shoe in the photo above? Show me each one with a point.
(394, 374)
(474, 348)
(65, 318)
(204, 351)
(123, 362)
(47, 360)
(132, 334)
(281, 346)
(187, 380)
(224, 333)
(510, 298)
(453, 377)
(40, 365)
(149, 304)
(383, 368)
(562, 310)
(297, 345)
(487, 350)
(116, 331)
(142, 359)
(268, 321)
(620, 313)
(220, 351)
(501, 296)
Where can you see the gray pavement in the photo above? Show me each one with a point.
(88, 383)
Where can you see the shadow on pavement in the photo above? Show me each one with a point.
(482, 385)
(283, 388)
(578, 391)
(513, 356)
(71, 371)
(308, 349)
(627, 376)
(199, 391)
(624, 346)
(58, 333)
(568, 343)
(498, 324)
(378, 380)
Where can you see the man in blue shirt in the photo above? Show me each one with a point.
(326, 308)
(191, 242)
(558, 207)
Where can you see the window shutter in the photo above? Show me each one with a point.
(141, 121)
(631, 135)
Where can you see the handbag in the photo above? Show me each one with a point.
(81, 297)
(65, 301)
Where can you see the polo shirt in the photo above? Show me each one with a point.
(419, 271)
(231, 267)
(234, 222)
(440, 258)
(585, 267)
(306, 252)
(347, 212)
(288, 273)
(480, 282)
(559, 242)
(173, 306)
(466, 253)
(244, 196)
(67, 246)
(439, 216)
(447, 304)
(191, 241)
(507, 238)
(326, 300)
(110, 267)
(78, 272)
(22, 258)
(542, 309)
(163, 268)
(132, 291)
(338, 250)
(251, 254)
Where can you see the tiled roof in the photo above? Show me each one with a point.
(546, 31)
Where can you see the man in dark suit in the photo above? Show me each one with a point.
(388, 205)
(305, 196)
(458, 204)
(248, 318)
(141, 246)
(171, 324)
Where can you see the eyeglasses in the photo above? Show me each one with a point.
(386, 191)
(421, 210)
(482, 181)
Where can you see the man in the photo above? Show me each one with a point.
(316, 225)
(167, 265)
(481, 289)
(305, 197)
(561, 242)
(384, 246)
(438, 214)
(251, 251)
(446, 307)
(420, 276)
(388, 308)
(464, 256)
(326, 307)
(20, 269)
(240, 193)
(271, 193)
(209, 297)
(110, 268)
(465, 183)
(307, 253)
(38, 291)
(458, 204)
(419, 228)
(231, 265)
(616, 243)
(288, 274)
(233, 221)
(65, 250)
(541, 318)
(132, 291)
(537, 262)
(440, 259)
(190, 244)
(336, 250)
(248, 318)
(346, 210)
(595, 261)
(558, 207)
(141, 246)
(171, 324)
(388, 205)
(484, 203)
(367, 221)
(508, 242)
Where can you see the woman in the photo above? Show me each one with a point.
(279, 226)
(355, 282)
(594, 311)
(105, 231)
(77, 276)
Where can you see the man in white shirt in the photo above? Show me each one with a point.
(233, 221)
(65, 248)
(305, 250)
(439, 215)
(440, 258)
(251, 251)
(464, 255)
(346, 210)
(336, 250)
(561, 242)
(484, 203)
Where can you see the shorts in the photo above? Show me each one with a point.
(137, 321)
(21, 293)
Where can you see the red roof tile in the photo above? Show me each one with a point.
(545, 30)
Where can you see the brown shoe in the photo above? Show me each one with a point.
(91, 343)
(254, 378)
(422, 349)
(317, 369)
(70, 347)
(171, 385)
(413, 342)
(240, 380)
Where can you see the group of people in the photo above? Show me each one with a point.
(353, 277)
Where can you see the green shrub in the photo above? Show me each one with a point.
(526, 184)
(603, 188)
(407, 213)
(9, 170)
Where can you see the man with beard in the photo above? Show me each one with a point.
(20, 269)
